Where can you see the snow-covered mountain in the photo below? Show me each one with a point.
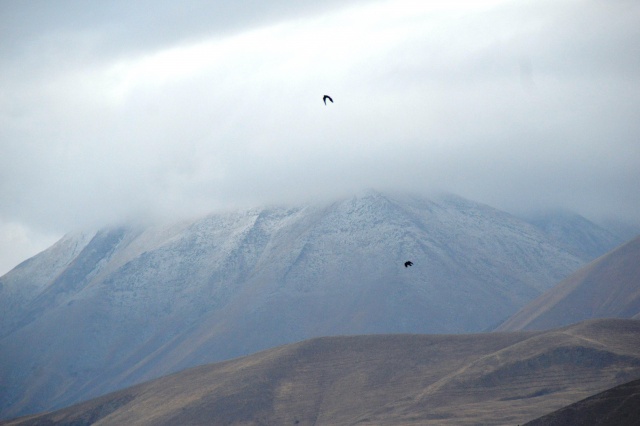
(99, 311)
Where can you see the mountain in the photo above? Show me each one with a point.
(577, 234)
(625, 231)
(102, 310)
(608, 287)
(486, 378)
(619, 406)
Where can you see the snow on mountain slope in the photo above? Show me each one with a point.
(125, 305)
(29, 279)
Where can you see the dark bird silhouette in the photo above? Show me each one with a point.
(408, 263)
(325, 99)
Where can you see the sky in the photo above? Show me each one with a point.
(156, 110)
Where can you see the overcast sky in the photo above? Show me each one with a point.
(121, 110)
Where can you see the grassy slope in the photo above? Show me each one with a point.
(494, 378)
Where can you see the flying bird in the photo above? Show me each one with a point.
(408, 263)
(325, 99)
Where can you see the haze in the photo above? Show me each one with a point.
(157, 110)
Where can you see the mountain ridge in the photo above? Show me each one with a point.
(608, 287)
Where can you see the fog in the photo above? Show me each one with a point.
(159, 110)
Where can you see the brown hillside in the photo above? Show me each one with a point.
(608, 287)
(494, 378)
(619, 406)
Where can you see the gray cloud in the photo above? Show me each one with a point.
(121, 27)
(125, 110)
